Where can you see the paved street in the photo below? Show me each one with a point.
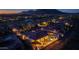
(54, 46)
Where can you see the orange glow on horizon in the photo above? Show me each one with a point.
(7, 12)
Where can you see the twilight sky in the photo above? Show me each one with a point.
(9, 11)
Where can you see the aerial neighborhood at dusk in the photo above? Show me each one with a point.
(39, 29)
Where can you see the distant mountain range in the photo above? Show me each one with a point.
(45, 11)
